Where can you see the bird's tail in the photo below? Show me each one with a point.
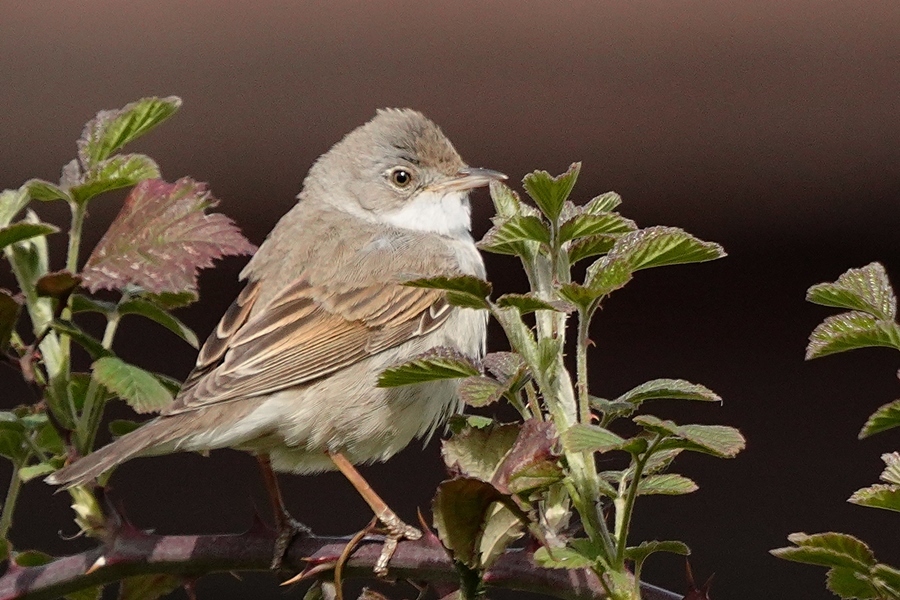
(140, 441)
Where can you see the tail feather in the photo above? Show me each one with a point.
(141, 440)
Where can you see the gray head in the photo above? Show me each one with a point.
(399, 168)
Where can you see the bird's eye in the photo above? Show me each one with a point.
(401, 177)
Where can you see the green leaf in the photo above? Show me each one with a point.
(434, 365)
(562, 558)
(582, 437)
(520, 228)
(888, 577)
(480, 391)
(110, 130)
(82, 303)
(520, 336)
(477, 452)
(891, 474)
(527, 303)
(10, 307)
(120, 427)
(550, 193)
(850, 583)
(583, 225)
(507, 367)
(718, 440)
(30, 472)
(31, 558)
(607, 275)
(468, 289)
(164, 230)
(171, 300)
(459, 423)
(828, 550)
(886, 417)
(506, 201)
(123, 170)
(678, 389)
(461, 509)
(139, 388)
(38, 189)
(880, 495)
(91, 344)
(593, 245)
(24, 230)
(11, 203)
(660, 246)
(148, 587)
(502, 527)
(532, 463)
(603, 203)
(91, 593)
(579, 295)
(670, 484)
(851, 330)
(139, 306)
(640, 553)
(12, 438)
(866, 289)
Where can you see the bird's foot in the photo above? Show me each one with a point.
(396, 530)
(288, 529)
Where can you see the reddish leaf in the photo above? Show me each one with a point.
(161, 238)
(531, 462)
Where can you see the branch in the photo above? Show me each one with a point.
(133, 552)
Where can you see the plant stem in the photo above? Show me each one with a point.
(626, 508)
(92, 412)
(584, 404)
(9, 505)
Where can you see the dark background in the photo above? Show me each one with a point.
(770, 127)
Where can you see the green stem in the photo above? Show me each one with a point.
(78, 213)
(625, 509)
(92, 413)
(9, 505)
(584, 403)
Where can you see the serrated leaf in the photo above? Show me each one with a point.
(91, 345)
(123, 170)
(850, 583)
(880, 495)
(520, 228)
(590, 246)
(550, 193)
(82, 303)
(866, 289)
(505, 366)
(828, 550)
(677, 389)
(888, 577)
(110, 130)
(10, 307)
(562, 558)
(11, 203)
(44, 191)
(506, 201)
(480, 391)
(434, 365)
(607, 275)
(476, 452)
(891, 473)
(660, 460)
(886, 417)
(531, 463)
(139, 388)
(527, 303)
(670, 484)
(461, 507)
(851, 330)
(640, 553)
(139, 306)
(603, 203)
(466, 288)
(718, 440)
(660, 246)
(24, 230)
(161, 238)
(586, 224)
(583, 437)
(502, 527)
(580, 296)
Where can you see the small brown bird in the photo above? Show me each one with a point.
(290, 372)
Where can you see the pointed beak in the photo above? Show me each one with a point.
(468, 178)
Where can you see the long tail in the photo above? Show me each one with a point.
(146, 438)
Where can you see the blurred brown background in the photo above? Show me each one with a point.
(770, 127)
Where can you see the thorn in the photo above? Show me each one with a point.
(258, 525)
(426, 529)
(98, 564)
(309, 572)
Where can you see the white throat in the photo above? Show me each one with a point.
(445, 213)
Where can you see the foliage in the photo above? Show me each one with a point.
(536, 476)
(866, 292)
(163, 228)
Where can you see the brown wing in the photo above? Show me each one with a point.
(306, 332)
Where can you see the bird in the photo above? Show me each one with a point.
(290, 372)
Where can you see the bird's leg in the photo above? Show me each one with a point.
(396, 529)
(285, 524)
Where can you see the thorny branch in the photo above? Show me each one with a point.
(133, 552)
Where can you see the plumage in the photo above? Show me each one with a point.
(290, 370)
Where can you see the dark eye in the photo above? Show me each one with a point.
(401, 177)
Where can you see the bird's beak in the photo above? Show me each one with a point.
(468, 178)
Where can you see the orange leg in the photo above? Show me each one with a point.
(287, 527)
(396, 529)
